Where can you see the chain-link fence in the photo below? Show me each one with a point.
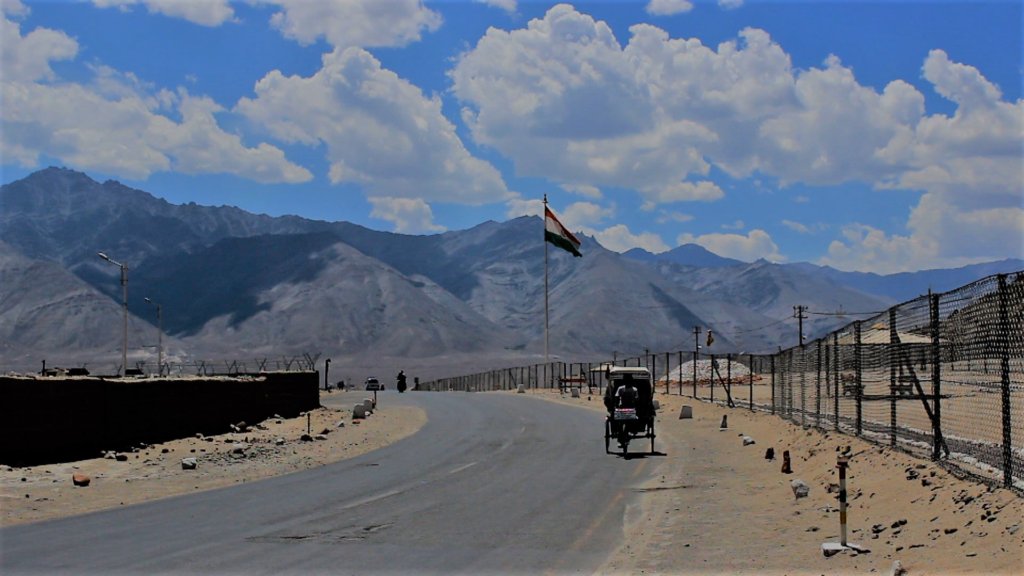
(941, 376)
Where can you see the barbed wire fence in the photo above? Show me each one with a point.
(171, 368)
(939, 377)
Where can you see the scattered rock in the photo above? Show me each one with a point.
(325, 431)
(121, 457)
(306, 438)
(358, 412)
(79, 479)
(279, 441)
(800, 488)
(189, 463)
(949, 530)
(242, 426)
(877, 529)
(725, 422)
(747, 441)
(769, 454)
(320, 437)
(238, 449)
(165, 450)
(1013, 529)
(341, 424)
(832, 488)
(897, 569)
(912, 474)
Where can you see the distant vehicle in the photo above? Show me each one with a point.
(373, 384)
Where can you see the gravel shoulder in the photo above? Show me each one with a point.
(270, 448)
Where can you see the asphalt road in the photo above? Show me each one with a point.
(493, 483)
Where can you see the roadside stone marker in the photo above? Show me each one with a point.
(686, 413)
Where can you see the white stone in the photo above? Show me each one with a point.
(747, 441)
(800, 488)
(189, 464)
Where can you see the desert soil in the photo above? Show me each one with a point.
(269, 448)
(712, 505)
(716, 506)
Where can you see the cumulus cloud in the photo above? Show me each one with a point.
(752, 246)
(202, 12)
(364, 23)
(620, 239)
(379, 131)
(668, 7)
(584, 216)
(408, 215)
(116, 124)
(565, 100)
(517, 206)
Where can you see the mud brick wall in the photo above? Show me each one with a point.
(45, 420)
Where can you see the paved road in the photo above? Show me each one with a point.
(493, 483)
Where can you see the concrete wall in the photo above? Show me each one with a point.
(60, 419)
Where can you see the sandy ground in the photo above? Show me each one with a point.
(713, 506)
(269, 448)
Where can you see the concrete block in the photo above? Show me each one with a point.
(686, 413)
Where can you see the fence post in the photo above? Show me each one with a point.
(750, 374)
(668, 371)
(728, 376)
(803, 385)
(894, 356)
(680, 371)
(859, 380)
(817, 386)
(1004, 366)
(773, 383)
(712, 386)
(835, 377)
(936, 377)
(695, 374)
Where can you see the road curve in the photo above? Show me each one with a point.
(493, 483)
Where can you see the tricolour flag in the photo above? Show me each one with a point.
(558, 235)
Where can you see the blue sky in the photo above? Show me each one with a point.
(880, 137)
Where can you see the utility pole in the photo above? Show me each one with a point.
(798, 313)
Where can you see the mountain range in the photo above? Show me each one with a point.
(234, 284)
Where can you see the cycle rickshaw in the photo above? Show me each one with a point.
(630, 415)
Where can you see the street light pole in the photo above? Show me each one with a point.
(159, 337)
(124, 288)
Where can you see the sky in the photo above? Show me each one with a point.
(878, 137)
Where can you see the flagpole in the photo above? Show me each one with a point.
(546, 358)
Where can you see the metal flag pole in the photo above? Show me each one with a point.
(547, 361)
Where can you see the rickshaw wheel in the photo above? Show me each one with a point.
(607, 436)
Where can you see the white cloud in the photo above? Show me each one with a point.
(584, 216)
(409, 215)
(582, 190)
(941, 236)
(27, 58)
(363, 23)
(13, 8)
(202, 12)
(506, 5)
(671, 216)
(619, 239)
(756, 244)
(737, 225)
(668, 7)
(565, 101)
(117, 124)
(796, 226)
(379, 131)
(518, 206)
(730, 4)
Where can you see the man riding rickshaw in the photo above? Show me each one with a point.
(628, 397)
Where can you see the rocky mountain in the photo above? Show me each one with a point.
(232, 283)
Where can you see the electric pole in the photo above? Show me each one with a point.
(798, 313)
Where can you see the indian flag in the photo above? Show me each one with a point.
(558, 235)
